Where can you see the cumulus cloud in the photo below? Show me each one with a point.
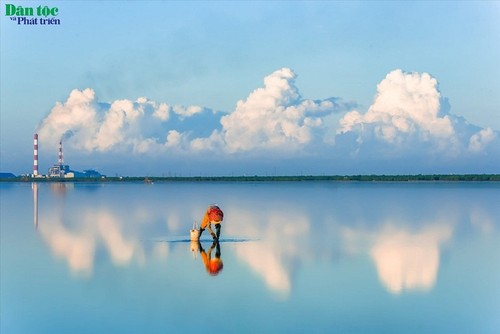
(139, 126)
(410, 120)
(174, 138)
(405, 104)
(187, 112)
(480, 140)
(408, 117)
(162, 112)
(274, 116)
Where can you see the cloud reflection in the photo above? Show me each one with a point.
(264, 261)
(78, 246)
(480, 220)
(288, 235)
(404, 260)
(120, 249)
(274, 256)
(407, 261)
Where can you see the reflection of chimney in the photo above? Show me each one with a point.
(34, 186)
(60, 161)
(35, 154)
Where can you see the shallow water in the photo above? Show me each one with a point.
(298, 256)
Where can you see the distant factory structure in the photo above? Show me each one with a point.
(59, 170)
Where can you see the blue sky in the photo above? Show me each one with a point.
(217, 88)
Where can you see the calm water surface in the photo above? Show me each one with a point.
(297, 257)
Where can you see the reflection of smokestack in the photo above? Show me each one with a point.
(60, 161)
(35, 154)
(34, 186)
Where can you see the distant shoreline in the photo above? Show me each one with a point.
(257, 178)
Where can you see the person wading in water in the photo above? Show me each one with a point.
(213, 215)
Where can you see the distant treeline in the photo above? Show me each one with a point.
(257, 178)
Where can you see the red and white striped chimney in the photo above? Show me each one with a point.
(60, 161)
(35, 154)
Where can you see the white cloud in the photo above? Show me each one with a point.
(187, 112)
(480, 140)
(124, 125)
(174, 138)
(407, 119)
(212, 143)
(145, 145)
(274, 116)
(162, 112)
(110, 131)
(405, 104)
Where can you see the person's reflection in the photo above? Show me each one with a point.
(213, 265)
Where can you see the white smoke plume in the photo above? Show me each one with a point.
(77, 114)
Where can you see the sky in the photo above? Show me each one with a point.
(204, 88)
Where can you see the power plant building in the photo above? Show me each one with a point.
(59, 170)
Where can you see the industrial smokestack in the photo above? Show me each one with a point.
(60, 161)
(35, 155)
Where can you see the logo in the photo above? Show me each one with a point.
(41, 15)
